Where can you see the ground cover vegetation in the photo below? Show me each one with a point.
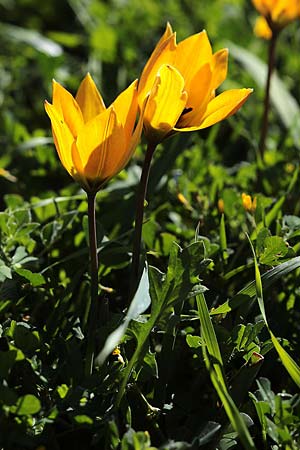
(155, 307)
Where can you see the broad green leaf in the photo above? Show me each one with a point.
(35, 279)
(274, 248)
(27, 405)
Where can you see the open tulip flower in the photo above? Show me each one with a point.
(182, 81)
(93, 142)
(278, 13)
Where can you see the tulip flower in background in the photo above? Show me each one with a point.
(276, 14)
(94, 143)
(181, 82)
(249, 204)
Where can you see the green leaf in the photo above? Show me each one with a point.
(62, 390)
(194, 341)
(27, 405)
(5, 272)
(83, 419)
(165, 291)
(274, 248)
(36, 279)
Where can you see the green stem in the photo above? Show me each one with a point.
(139, 215)
(265, 118)
(92, 319)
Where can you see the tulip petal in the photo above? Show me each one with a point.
(168, 32)
(164, 53)
(126, 107)
(191, 54)
(224, 105)
(99, 138)
(89, 99)
(62, 137)
(166, 102)
(221, 107)
(67, 107)
(219, 67)
(199, 96)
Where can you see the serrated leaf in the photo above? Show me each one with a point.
(274, 248)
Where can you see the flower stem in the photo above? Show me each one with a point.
(93, 313)
(265, 118)
(142, 190)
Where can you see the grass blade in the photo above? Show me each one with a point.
(214, 364)
(291, 366)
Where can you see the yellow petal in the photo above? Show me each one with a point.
(89, 99)
(219, 65)
(262, 7)
(166, 102)
(199, 96)
(262, 29)
(97, 139)
(67, 107)
(135, 138)
(126, 107)
(224, 105)
(191, 54)
(164, 53)
(62, 136)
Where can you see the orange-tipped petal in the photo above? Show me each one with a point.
(126, 107)
(166, 102)
(62, 136)
(224, 105)
(89, 99)
(219, 65)
(262, 6)
(67, 107)
(191, 54)
(168, 32)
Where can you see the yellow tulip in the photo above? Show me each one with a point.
(248, 203)
(278, 13)
(93, 142)
(262, 29)
(181, 81)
